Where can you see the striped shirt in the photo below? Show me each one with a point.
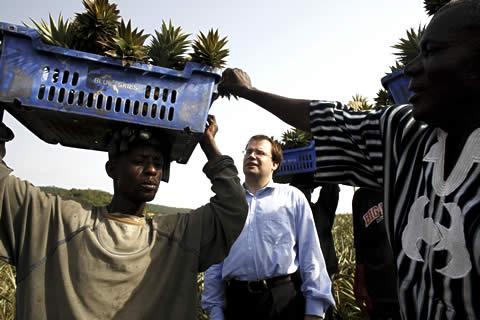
(433, 224)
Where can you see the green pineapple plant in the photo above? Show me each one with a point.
(98, 23)
(210, 49)
(168, 47)
(55, 34)
(295, 138)
(127, 44)
(359, 102)
(408, 47)
(383, 98)
(98, 30)
(432, 6)
(396, 66)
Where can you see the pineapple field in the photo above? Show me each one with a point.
(346, 307)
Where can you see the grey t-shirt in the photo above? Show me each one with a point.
(75, 262)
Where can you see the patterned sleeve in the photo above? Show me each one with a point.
(348, 144)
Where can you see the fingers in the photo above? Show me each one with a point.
(212, 127)
(234, 82)
(211, 119)
(207, 141)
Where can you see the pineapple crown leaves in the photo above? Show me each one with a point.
(295, 138)
(383, 98)
(99, 22)
(59, 34)
(127, 44)
(408, 47)
(432, 6)
(209, 49)
(395, 67)
(359, 102)
(168, 47)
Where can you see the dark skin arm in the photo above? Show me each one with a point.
(207, 142)
(328, 198)
(295, 112)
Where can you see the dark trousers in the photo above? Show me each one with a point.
(385, 311)
(282, 301)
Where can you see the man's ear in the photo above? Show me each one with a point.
(111, 169)
(275, 166)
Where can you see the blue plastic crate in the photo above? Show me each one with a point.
(298, 160)
(76, 98)
(397, 84)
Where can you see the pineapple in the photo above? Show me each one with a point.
(383, 98)
(127, 44)
(209, 49)
(432, 6)
(408, 48)
(359, 102)
(396, 67)
(295, 139)
(167, 49)
(98, 23)
(59, 34)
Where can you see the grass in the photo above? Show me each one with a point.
(346, 307)
(8, 287)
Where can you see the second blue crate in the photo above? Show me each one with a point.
(397, 85)
(298, 160)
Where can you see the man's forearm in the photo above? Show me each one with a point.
(295, 112)
(210, 149)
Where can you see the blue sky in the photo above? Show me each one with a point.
(317, 49)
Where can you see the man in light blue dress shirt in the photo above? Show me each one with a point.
(275, 269)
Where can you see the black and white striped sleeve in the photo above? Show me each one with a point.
(348, 144)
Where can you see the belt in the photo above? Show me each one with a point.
(258, 286)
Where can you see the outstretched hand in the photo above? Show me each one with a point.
(207, 142)
(234, 82)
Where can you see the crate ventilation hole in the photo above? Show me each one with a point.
(304, 162)
(86, 99)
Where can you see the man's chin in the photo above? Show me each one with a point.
(250, 170)
(419, 112)
(147, 197)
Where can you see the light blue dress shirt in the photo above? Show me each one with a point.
(278, 238)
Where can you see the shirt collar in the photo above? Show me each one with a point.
(270, 186)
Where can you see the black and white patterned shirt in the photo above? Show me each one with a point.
(433, 224)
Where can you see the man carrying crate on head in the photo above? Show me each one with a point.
(113, 262)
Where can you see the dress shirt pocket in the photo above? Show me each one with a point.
(277, 231)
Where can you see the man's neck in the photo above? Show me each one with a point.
(254, 184)
(126, 208)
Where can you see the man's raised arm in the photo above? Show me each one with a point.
(295, 112)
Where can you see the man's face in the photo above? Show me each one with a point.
(257, 161)
(443, 74)
(137, 174)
